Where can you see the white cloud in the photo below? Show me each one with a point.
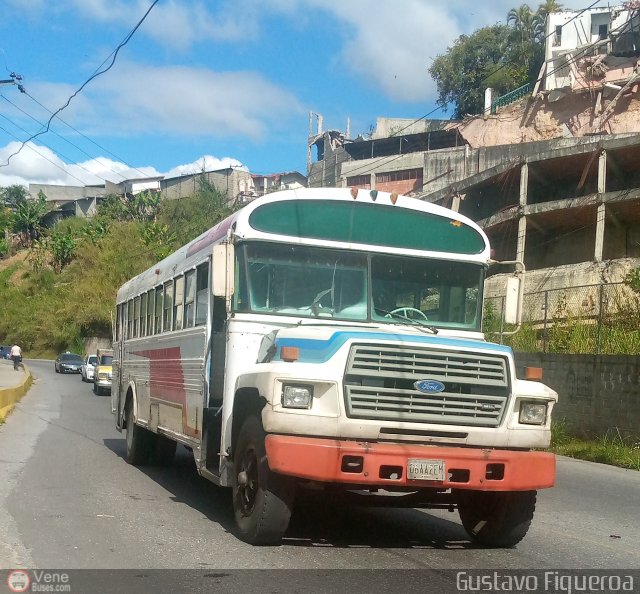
(388, 44)
(206, 163)
(180, 100)
(37, 164)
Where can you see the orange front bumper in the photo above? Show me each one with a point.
(385, 464)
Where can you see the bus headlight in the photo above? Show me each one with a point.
(532, 413)
(296, 396)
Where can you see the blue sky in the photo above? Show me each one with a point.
(213, 82)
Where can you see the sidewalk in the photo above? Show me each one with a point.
(13, 386)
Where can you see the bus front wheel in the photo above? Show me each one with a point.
(138, 440)
(262, 500)
(496, 519)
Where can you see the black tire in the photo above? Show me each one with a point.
(139, 440)
(163, 449)
(496, 519)
(262, 500)
(96, 390)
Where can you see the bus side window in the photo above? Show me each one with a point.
(143, 314)
(167, 306)
(178, 311)
(150, 311)
(158, 316)
(136, 317)
(189, 298)
(130, 319)
(202, 294)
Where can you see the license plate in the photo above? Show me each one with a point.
(425, 470)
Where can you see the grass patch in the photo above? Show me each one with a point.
(611, 448)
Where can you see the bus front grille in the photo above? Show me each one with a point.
(380, 383)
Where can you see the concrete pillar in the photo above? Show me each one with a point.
(601, 214)
(524, 183)
(602, 172)
(600, 224)
(522, 238)
(372, 181)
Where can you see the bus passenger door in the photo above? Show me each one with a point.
(213, 411)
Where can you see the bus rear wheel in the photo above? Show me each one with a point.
(496, 519)
(262, 500)
(138, 440)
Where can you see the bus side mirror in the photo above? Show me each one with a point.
(512, 301)
(223, 275)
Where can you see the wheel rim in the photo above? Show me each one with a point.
(247, 482)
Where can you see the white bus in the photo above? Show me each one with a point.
(331, 338)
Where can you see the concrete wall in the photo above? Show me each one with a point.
(230, 182)
(597, 393)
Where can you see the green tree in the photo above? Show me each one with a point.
(473, 63)
(527, 40)
(28, 217)
(547, 8)
(502, 57)
(14, 195)
(62, 244)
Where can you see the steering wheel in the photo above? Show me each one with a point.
(404, 311)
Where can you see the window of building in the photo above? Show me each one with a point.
(603, 31)
(557, 36)
(394, 176)
(359, 181)
(178, 310)
(202, 294)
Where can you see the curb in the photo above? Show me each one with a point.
(10, 396)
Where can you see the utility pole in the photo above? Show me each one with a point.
(15, 79)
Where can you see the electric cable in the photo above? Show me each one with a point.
(101, 70)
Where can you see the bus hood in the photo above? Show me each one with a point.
(317, 344)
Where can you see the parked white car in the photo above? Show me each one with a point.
(87, 372)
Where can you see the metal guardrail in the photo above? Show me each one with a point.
(589, 319)
(511, 97)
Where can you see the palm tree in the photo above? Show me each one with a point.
(547, 7)
(525, 23)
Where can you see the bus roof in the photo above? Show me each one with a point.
(344, 218)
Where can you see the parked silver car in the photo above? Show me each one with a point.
(68, 363)
(87, 371)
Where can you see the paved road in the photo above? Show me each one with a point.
(68, 499)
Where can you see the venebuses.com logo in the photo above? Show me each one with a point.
(18, 580)
(38, 580)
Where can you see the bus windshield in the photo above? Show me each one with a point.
(315, 282)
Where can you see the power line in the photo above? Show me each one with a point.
(111, 59)
(59, 136)
(57, 152)
(45, 158)
(102, 148)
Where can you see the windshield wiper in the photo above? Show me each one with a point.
(409, 321)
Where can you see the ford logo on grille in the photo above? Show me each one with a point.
(429, 386)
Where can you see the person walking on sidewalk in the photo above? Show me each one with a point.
(16, 356)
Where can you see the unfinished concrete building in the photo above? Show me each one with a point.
(553, 178)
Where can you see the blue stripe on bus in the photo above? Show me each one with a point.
(319, 351)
